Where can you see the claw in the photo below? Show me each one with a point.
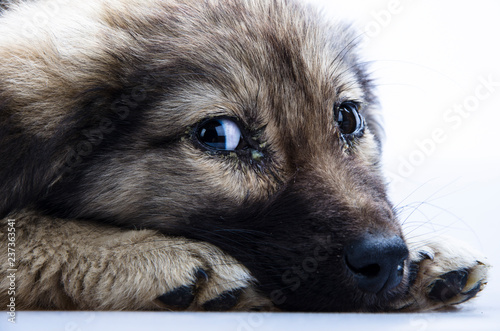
(450, 285)
(179, 298)
(225, 301)
(426, 255)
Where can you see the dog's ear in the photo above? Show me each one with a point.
(30, 160)
(24, 163)
(16, 164)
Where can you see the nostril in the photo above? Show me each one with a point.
(376, 262)
(369, 271)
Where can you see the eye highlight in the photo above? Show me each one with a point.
(348, 118)
(220, 134)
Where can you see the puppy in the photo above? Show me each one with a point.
(201, 155)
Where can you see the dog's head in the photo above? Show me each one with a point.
(246, 124)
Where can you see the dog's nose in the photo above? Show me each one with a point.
(377, 262)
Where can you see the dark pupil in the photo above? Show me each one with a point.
(213, 135)
(348, 120)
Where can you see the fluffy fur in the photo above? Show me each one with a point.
(100, 105)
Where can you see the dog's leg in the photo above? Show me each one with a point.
(64, 264)
(443, 272)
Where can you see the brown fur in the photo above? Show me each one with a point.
(98, 109)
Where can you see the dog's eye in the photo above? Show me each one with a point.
(349, 120)
(220, 134)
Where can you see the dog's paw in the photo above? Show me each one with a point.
(443, 273)
(211, 281)
(154, 272)
(186, 296)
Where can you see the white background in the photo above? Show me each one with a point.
(429, 56)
